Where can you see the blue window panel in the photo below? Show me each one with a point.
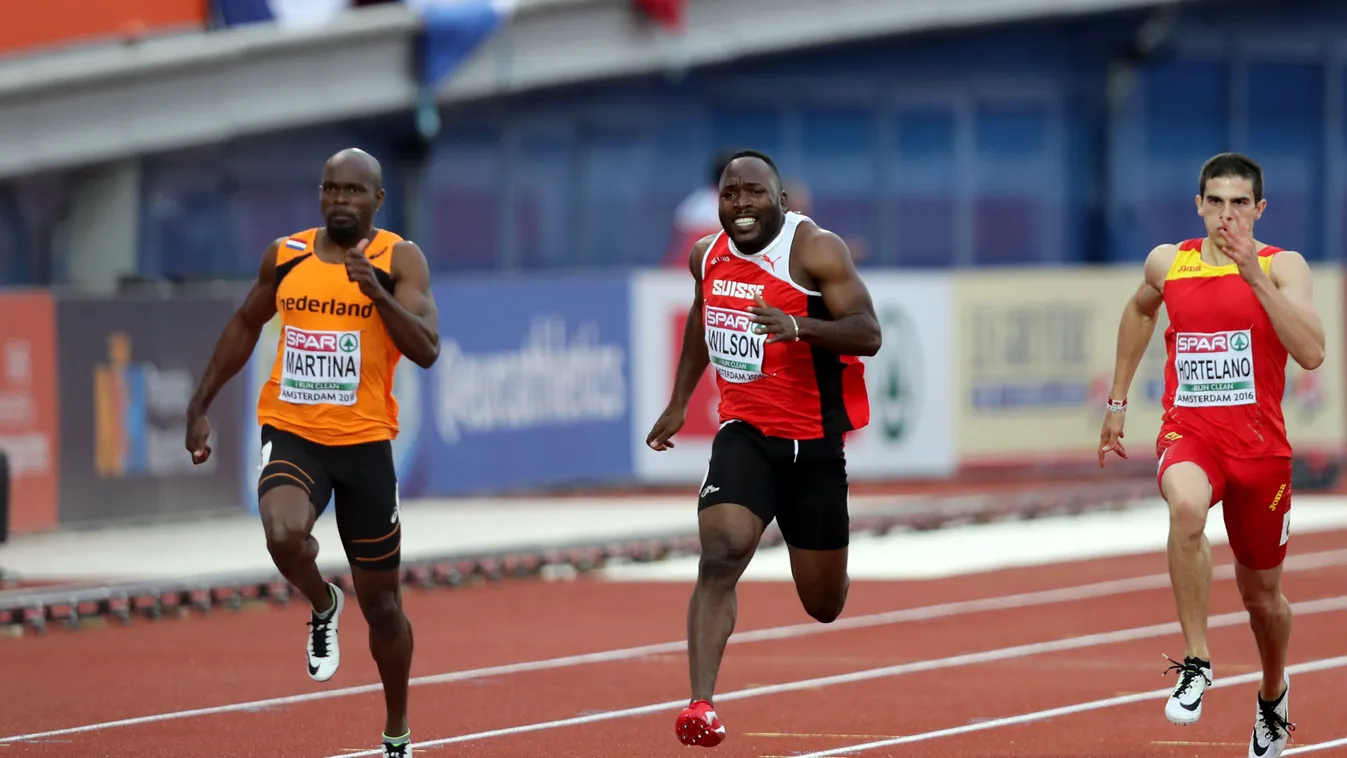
(1285, 127)
(755, 128)
(544, 200)
(923, 177)
(463, 203)
(840, 176)
(1015, 183)
(686, 158)
(622, 224)
(1186, 122)
(263, 213)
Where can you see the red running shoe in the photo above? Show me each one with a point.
(698, 725)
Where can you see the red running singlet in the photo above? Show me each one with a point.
(791, 390)
(1226, 368)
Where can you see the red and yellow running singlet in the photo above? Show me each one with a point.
(333, 379)
(1226, 368)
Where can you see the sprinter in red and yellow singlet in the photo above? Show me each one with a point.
(352, 300)
(1237, 309)
(781, 313)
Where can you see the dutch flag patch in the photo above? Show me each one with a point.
(296, 245)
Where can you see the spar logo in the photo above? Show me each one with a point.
(1213, 343)
(320, 343)
(733, 320)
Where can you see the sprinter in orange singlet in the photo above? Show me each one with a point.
(353, 300)
(1237, 309)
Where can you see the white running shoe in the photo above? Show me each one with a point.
(1184, 706)
(324, 655)
(1272, 725)
(399, 748)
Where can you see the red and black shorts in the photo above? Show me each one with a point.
(1255, 494)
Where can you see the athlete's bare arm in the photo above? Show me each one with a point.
(232, 350)
(826, 263)
(410, 314)
(1289, 303)
(692, 358)
(1134, 334)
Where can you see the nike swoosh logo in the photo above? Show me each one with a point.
(314, 670)
(1196, 704)
(1259, 749)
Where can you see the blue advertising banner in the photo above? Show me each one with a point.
(532, 387)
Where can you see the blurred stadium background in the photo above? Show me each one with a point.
(999, 167)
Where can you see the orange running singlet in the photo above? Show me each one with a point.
(333, 379)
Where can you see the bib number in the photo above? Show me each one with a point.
(735, 350)
(320, 368)
(1214, 369)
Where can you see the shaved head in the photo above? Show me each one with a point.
(355, 158)
(352, 193)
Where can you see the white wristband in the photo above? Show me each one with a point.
(797, 328)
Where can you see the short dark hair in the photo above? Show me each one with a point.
(1232, 165)
(736, 155)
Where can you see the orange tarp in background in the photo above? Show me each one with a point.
(30, 25)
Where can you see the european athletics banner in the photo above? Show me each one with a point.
(532, 388)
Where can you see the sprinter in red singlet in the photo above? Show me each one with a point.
(780, 312)
(1237, 308)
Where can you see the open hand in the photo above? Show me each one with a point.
(1111, 436)
(666, 426)
(774, 321)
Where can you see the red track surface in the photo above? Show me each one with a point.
(71, 679)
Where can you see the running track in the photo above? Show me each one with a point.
(1060, 660)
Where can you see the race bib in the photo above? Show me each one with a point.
(1214, 369)
(320, 368)
(735, 350)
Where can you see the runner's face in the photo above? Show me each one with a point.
(1226, 198)
(350, 198)
(751, 203)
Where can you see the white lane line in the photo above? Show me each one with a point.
(1316, 747)
(1309, 607)
(1306, 562)
(1094, 705)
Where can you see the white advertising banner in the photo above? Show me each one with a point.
(911, 405)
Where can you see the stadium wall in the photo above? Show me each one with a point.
(1048, 143)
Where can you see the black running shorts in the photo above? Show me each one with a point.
(361, 477)
(800, 483)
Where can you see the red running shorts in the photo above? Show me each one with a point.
(1256, 493)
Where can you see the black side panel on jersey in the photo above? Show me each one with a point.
(285, 268)
(828, 373)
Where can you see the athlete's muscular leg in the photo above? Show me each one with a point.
(390, 639)
(821, 580)
(1187, 490)
(729, 537)
(287, 518)
(1270, 617)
